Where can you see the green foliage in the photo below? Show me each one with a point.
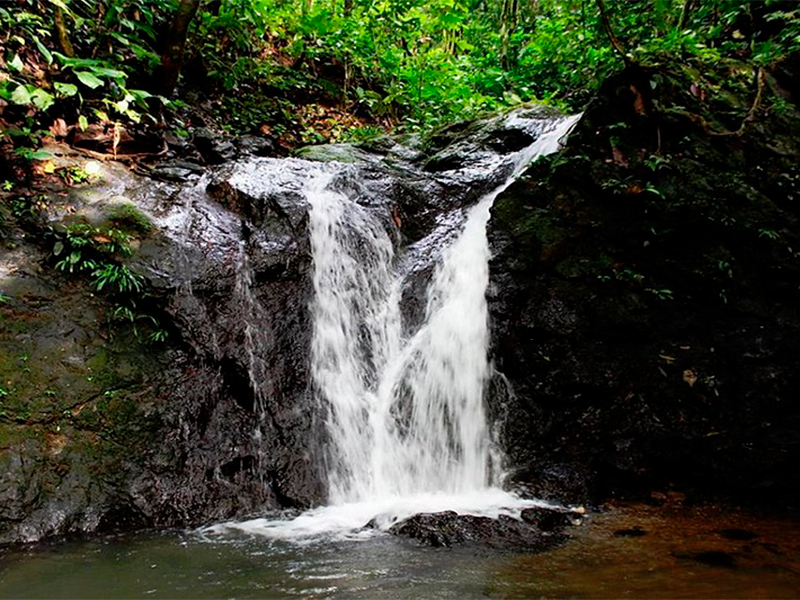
(114, 44)
(660, 293)
(769, 234)
(432, 62)
(118, 278)
(26, 209)
(74, 174)
(84, 247)
(127, 216)
(410, 62)
(98, 253)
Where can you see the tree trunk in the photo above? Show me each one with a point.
(615, 43)
(62, 38)
(172, 55)
(508, 23)
(689, 6)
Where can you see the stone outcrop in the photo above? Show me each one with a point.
(537, 529)
(644, 297)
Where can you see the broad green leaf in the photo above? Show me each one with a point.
(5, 89)
(21, 95)
(41, 155)
(48, 57)
(106, 72)
(83, 123)
(16, 63)
(65, 89)
(140, 94)
(58, 248)
(41, 99)
(88, 79)
(121, 39)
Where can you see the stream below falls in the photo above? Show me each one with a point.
(631, 551)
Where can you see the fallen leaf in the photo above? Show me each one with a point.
(59, 128)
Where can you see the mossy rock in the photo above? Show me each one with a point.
(344, 153)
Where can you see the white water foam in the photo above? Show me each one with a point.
(405, 413)
(372, 516)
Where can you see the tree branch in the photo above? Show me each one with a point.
(615, 43)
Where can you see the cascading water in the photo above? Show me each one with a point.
(406, 415)
(406, 419)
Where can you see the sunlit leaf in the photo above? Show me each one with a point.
(21, 95)
(88, 79)
(48, 57)
(41, 155)
(65, 89)
(16, 63)
(42, 99)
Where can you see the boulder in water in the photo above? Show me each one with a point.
(539, 529)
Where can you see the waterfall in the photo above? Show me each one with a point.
(405, 414)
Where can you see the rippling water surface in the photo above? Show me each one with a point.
(625, 551)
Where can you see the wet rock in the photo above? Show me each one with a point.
(553, 482)
(458, 146)
(109, 432)
(255, 145)
(643, 336)
(176, 143)
(214, 149)
(449, 528)
(176, 170)
(344, 153)
(548, 519)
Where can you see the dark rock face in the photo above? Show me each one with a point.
(548, 519)
(105, 432)
(644, 301)
(539, 529)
